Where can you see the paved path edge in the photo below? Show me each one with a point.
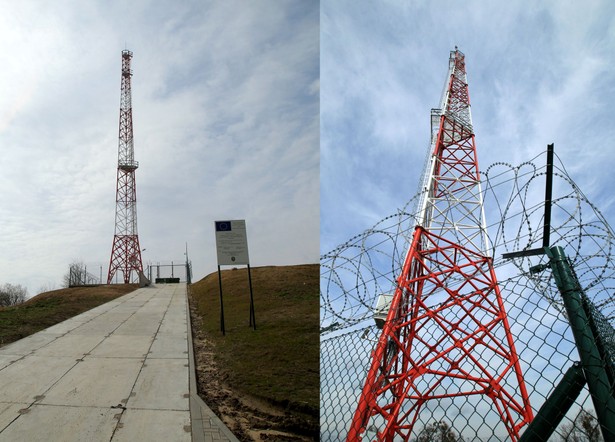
(199, 411)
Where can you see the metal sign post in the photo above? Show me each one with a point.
(221, 304)
(252, 317)
(232, 249)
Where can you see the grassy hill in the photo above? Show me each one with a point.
(50, 308)
(279, 361)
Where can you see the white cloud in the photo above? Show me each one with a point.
(537, 74)
(225, 124)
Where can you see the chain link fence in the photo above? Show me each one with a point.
(357, 272)
(169, 271)
(83, 274)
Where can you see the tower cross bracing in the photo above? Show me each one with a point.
(446, 336)
(125, 252)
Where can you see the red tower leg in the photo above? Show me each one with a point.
(447, 334)
(125, 253)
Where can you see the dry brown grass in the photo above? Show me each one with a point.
(50, 308)
(279, 361)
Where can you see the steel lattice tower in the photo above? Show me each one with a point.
(125, 253)
(446, 335)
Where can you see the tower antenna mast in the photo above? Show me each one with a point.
(446, 339)
(125, 253)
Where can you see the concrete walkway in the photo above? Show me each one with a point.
(123, 371)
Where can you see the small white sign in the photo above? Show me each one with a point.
(232, 242)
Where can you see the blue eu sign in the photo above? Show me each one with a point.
(223, 226)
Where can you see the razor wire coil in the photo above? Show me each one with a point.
(356, 272)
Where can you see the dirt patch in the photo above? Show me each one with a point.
(250, 419)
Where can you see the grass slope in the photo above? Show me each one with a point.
(50, 308)
(279, 361)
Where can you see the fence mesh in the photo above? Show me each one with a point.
(80, 273)
(354, 274)
(604, 334)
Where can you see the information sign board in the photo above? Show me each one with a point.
(232, 242)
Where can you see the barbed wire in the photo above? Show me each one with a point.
(356, 272)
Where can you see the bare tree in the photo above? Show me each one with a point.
(47, 287)
(76, 274)
(12, 294)
(438, 432)
(585, 428)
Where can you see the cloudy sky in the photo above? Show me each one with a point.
(225, 102)
(538, 72)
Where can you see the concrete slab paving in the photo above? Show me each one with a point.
(62, 424)
(95, 382)
(98, 327)
(30, 377)
(130, 305)
(121, 371)
(172, 326)
(8, 359)
(8, 413)
(120, 346)
(162, 385)
(144, 325)
(174, 346)
(71, 345)
(61, 328)
(30, 344)
(116, 315)
(152, 425)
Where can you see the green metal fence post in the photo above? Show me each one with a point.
(556, 406)
(592, 363)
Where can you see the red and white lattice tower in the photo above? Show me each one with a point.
(125, 253)
(446, 337)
